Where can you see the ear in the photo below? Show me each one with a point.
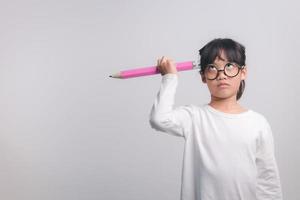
(244, 73)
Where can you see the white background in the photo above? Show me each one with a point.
(69, 132)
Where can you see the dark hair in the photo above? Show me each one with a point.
(234, 51)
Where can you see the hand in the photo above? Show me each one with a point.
(166, 66)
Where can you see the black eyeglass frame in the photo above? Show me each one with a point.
(219, 70)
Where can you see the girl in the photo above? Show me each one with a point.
(229, 150)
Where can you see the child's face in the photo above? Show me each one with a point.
(227, 91)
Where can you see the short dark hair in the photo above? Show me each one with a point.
(234, 52)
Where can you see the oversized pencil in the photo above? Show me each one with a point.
(152, 70)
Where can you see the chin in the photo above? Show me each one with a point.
(223, 95)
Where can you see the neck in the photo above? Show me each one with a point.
(226, 104)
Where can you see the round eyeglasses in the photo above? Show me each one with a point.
(230, 69)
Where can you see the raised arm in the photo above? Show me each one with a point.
(163, 117)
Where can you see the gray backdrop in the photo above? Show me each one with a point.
(68, 131)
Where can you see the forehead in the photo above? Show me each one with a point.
(221, 58)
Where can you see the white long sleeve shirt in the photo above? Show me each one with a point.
(226, 156)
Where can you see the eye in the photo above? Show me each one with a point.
(211, 68)
(230, 66)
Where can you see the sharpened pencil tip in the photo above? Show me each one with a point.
(116, 75)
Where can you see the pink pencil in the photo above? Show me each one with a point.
(145, 71)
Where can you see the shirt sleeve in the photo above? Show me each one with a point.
(268, 180)
(163, 117)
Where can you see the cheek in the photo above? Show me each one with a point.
(236, 83)
(238, 78)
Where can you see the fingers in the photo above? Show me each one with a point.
(166, 65)
(163, 59)
(159, 61)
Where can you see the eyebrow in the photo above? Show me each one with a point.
(221, 58)
(225, 64)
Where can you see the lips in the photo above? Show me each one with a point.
(223, 85)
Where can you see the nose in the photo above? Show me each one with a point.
(221, 75)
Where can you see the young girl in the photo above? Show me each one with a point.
(229, 150)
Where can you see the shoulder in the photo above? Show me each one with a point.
(260, 119)
(189, 110)
(259, 115)
(187, 107)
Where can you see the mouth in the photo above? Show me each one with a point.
(222, 85)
